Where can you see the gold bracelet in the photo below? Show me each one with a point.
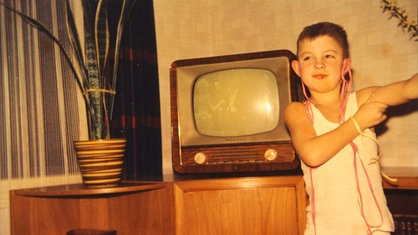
(356, 125)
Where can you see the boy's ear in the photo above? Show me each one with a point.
(346, 65)
(296, 67)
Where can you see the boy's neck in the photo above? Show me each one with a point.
(325, 99)
(328, 104)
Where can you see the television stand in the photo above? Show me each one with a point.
(126, 209)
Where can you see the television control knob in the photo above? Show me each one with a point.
(270, 154)
(200, 158)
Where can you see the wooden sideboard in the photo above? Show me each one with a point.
(240, 205)
(247, 205)
(132, 208)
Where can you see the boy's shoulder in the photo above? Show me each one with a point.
(294, 108)
(295, 104)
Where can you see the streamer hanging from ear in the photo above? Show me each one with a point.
(345, 87)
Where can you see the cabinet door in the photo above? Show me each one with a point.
(130, 212)
(250, 205)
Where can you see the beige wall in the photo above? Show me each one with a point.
(380, 50)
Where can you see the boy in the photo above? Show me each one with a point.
(332, 132)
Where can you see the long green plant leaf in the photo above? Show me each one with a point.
(75, 42)
(126, 10)
(102, 35)
(78, 51)
(41, 27)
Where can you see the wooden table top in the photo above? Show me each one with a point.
(81, 189)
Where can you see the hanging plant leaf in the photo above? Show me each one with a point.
(89, 63)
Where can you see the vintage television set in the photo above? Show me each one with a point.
(227, 113)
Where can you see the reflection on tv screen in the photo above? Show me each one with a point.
(236, 102)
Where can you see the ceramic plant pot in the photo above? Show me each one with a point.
(101, 161)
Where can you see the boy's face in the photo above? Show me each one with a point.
(320, 64)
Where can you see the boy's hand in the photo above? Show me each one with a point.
(370, 114)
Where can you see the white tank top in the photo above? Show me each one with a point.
(338, 199)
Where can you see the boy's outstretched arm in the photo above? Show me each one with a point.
(391, 95)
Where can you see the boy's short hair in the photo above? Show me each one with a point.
(326, 28)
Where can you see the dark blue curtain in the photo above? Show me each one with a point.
(137, 105)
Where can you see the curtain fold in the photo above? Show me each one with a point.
(137, 105)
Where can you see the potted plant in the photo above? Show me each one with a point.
(95, 70)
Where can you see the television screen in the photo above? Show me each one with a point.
(236, 102)
(227, 113)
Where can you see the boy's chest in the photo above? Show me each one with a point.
(331, 114)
